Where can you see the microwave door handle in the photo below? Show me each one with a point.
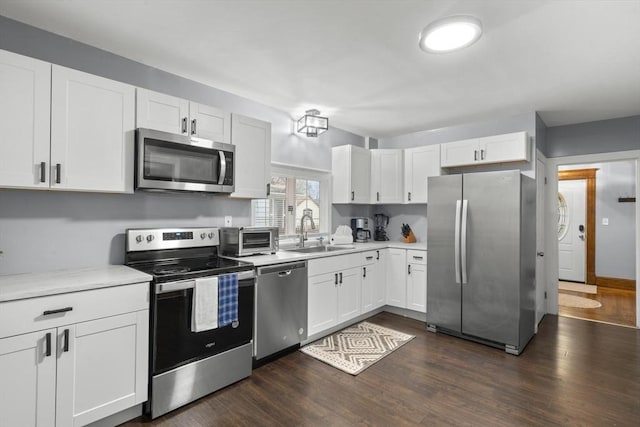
(223, 167)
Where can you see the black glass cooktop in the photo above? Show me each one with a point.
(180, 269)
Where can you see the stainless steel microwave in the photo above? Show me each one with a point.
(245, 241)
(170, 162)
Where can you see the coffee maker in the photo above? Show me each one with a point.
(360, 229)
(381, 221)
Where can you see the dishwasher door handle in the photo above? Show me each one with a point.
(284, 273)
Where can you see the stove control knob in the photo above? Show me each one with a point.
(149, 237)
(203, 235)
(211, 235)
(139, 238)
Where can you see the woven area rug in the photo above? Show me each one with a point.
(578, 287)
(357, 347)
(575, 301)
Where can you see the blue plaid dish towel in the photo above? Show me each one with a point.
(227, 299)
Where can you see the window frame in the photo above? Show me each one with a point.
(321, 175)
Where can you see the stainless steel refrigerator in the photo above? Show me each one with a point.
(481, 236)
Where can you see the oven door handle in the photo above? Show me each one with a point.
(181, 285)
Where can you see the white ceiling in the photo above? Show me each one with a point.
(358, 61)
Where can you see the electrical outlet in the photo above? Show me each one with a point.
(228, 220)
(605, 221)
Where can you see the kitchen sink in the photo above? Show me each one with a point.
(316, 249)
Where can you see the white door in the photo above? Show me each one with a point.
(419, 164)
(541, 303)
(92, 132)
(322, 302)
(252, 139)
(25, 91)
(349, 294)
(360, 175)
(397, 277)
(572, 228)
(387, 176)
(211, 123)
(459, 153)
(368, 287)
(380, 278)
(101, 368)
(509, 147)
(28, 380)
(161, 112)
(417, 287)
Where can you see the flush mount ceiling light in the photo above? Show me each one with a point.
(311, 124)
(450, 33)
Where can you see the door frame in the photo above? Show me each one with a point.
(589, 175)
(551, 219)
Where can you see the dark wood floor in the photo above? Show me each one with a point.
(574, 372)
(618, 306)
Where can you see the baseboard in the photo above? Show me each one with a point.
(119, 418)
(613, 282)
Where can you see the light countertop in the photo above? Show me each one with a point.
(283, 256)
(31, 285)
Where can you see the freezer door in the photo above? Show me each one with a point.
(443, 293)
(490, 296)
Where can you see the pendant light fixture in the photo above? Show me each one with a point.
(450, 34)
(312, 124)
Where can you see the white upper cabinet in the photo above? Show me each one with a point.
(168, 113)
(252, 139)
(511, 147)
(351, 169)
(92, 132)
(25, 90)
(386, 176)
(419, 164)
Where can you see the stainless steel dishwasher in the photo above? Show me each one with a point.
(281, 309)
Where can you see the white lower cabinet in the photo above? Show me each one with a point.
(81, 370)
(373, 280)
(417, 281)
(334, 291)
(397, 277)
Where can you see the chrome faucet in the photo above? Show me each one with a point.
(306, 214)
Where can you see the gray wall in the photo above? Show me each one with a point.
(604, 136)
(42, 230)
(615, 243)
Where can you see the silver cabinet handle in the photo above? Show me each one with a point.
(223, 167)
(456, 243)
(184, 125)
(58, 173)
(193, 126)
(43, 171)
(463, 241)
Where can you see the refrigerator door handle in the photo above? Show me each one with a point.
(457, 241)
(463, 241)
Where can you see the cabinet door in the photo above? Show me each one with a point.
(210, 123)
(380, 279)
(322, 302)
(417, 287)
(419, 164)
(28, 380)
(161, 112)
(25, 90)
(92, 132)
(252, 139)
(459, 153)
(102, 367)
(387, 176)
(349, 294)
(397, 277)
(368, 290)
(360, 175)
(511, 147)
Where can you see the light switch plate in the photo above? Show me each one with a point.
(228, 220)
(605, 221)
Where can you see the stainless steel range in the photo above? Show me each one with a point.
(184, 364)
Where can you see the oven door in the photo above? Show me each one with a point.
(173, 342)
(165, 161)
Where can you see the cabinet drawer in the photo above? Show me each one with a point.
(27, 315)
(369, 257)
(416, 257)
(333, 263)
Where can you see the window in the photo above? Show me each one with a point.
(294, 192)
